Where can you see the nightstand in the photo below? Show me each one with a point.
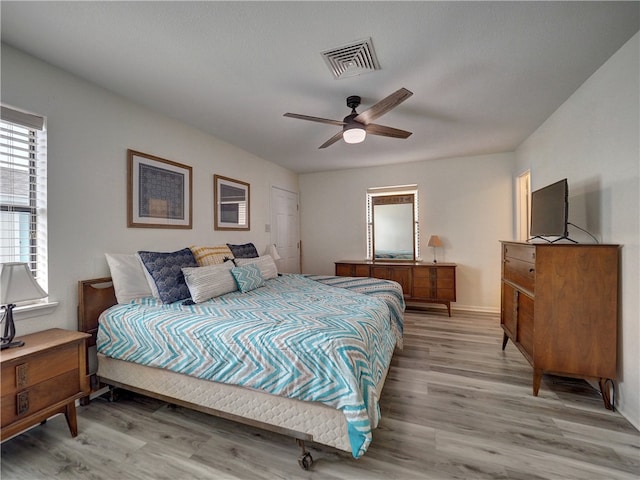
(41, 379)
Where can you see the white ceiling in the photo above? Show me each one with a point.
(484, 75)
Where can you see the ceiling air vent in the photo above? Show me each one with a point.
(352, 59)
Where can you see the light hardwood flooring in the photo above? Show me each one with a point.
(455, 406)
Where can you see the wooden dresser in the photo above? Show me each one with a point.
(421, 282)
(559, 306)
(43, 378)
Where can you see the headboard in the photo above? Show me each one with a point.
(94, 297)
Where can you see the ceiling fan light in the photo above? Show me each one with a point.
(354, 134)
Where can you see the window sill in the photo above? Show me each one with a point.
(34, 310)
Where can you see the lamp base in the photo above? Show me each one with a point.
(11, 345)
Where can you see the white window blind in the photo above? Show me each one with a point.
(23, 191)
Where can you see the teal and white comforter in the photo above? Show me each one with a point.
(297, 336)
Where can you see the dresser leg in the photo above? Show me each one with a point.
(537, 378)
(449, 308)
(606, 398)
(505, 339)
(72, 420)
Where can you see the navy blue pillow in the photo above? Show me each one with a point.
(166, 271)
(247, 250)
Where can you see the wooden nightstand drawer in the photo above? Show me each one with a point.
(41, 379)
(17, 375)
(37, 397)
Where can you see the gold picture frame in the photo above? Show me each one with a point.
(159, 192)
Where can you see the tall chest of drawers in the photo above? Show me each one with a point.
(41, 379)
(559, 307)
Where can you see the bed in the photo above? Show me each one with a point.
(303, 355)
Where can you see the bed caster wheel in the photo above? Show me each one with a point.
(305, 461)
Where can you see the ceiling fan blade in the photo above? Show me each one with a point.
(374, 129)
(338, 123)
(332, 140)
(383, 106)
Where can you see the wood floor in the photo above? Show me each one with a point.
(454, 407)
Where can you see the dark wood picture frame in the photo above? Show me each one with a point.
(232, 204)
(159, 192)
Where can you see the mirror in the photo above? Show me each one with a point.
(393, 228)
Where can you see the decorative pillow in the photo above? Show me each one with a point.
(247, 250)
(210, 281)
(166, 271)
(267, 266)
(248, 277)
(211, 255)
(127, 274)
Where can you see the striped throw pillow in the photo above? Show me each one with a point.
(209, 282)
(265, 263)
(211, 255)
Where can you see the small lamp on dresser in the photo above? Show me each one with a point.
(434, 241)
(16, 285)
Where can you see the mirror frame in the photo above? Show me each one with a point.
(393, 200)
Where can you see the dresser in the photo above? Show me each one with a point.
(421, 282)
(43, 378)
(559, 307)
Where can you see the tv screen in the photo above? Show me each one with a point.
(550, 210)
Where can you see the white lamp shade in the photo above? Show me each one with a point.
(354, 135)
(273, 251)
(17, 284)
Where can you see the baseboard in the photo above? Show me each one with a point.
(422, 307)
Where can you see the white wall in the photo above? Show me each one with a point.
(89, 132)
(466, 201)
(593, 140)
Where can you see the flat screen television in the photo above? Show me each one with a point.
(550, 211)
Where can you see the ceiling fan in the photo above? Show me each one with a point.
(356, 125)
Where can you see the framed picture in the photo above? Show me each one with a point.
(232, 206)
(158, 192)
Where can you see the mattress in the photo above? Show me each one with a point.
(323, 424)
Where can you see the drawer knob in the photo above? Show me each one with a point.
(531, 270)
(22, 377)
(22, 402)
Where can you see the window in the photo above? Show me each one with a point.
(23, 191)
(401, 242)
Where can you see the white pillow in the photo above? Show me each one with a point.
(128, 276)
(210, 281)
(151, 283)
(265, 263)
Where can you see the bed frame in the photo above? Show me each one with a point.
(304, 421)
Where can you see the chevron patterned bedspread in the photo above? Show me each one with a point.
(296, 337)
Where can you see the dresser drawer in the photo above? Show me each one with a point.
(446, 294)
(19, 375)
(526, 253)
(520, 273)
(352, 270)
(39, 396)
(425, 272)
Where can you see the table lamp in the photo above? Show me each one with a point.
(434, 241)
(273, 251)
(16, 285)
